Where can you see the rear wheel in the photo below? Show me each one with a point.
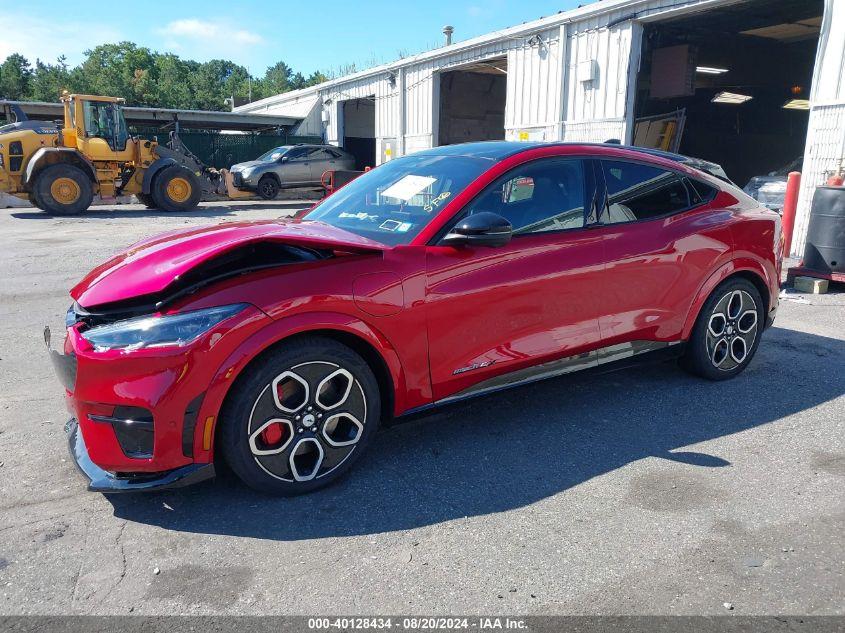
(176, 188)
(63, 190)
(268, 188)
(727, 331)
(300, 417)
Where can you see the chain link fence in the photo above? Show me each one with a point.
(220, 150)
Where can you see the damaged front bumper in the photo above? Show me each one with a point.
(100, 480)
(136, 414)
(243, 183)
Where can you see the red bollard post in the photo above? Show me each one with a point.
(790, 206)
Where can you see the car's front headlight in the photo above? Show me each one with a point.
(175, 330)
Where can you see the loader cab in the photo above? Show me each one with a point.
(97, 127)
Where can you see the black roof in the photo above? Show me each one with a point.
(498, 150)
(491, 150)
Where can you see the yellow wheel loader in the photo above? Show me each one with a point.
(61, 167)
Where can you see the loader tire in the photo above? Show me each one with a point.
(63, 190)
(176, 188)
(34, 201)
(146, 199)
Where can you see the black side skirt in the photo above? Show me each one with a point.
(602, 360)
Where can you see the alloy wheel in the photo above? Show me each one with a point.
(307, 421)
(732, 330)
(267, 189)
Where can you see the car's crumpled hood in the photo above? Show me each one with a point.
(151, 265)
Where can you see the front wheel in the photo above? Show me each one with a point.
(300, 417)
(176, 188)
(268, 188)
(727, 331)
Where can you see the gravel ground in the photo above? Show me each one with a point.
(645, 491)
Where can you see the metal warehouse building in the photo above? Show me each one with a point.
(755, 85)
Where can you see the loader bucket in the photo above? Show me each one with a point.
(231, 191)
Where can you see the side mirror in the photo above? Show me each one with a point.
(480, 229)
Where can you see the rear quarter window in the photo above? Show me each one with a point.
(636, 191)
(700, 191)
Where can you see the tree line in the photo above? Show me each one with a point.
(146, 78)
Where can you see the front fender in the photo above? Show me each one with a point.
(723, 272)
(40, 159)
(275, 332)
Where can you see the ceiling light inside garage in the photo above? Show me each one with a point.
(797, 104)
(710, 70)
(731, 97)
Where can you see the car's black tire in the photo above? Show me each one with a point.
(146, 199)
(268, 187)
(63, 189)
(176, 188)
(311, 444)
(727, 331)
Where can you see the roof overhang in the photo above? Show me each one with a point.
(164, 117)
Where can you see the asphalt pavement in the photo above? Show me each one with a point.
(644, 491)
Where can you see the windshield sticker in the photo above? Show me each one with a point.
(407, 187)
(390, 225)
(358, 216)
(404, 227)
(436, 202)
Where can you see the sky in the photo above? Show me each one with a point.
(317, 35)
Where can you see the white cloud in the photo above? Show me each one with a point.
(35, 38)
(192, 38)
(207, 30)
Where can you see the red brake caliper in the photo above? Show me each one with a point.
(273, 435)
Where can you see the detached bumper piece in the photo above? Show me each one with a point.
(64, 365)
(104, 481)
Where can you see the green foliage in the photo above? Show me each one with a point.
(15, 77)
(147, 78)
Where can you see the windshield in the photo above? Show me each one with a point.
(274, 154)
(104, 119)
(392, 203)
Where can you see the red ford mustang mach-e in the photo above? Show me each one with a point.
(281, 345)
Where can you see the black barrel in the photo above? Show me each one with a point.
(825, 247)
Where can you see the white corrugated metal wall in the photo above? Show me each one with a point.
(824, 152)
(535, 66)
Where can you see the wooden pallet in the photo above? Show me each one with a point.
(800, 271)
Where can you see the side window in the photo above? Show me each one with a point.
(298, 153)
(639, 192)
(545, 195)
